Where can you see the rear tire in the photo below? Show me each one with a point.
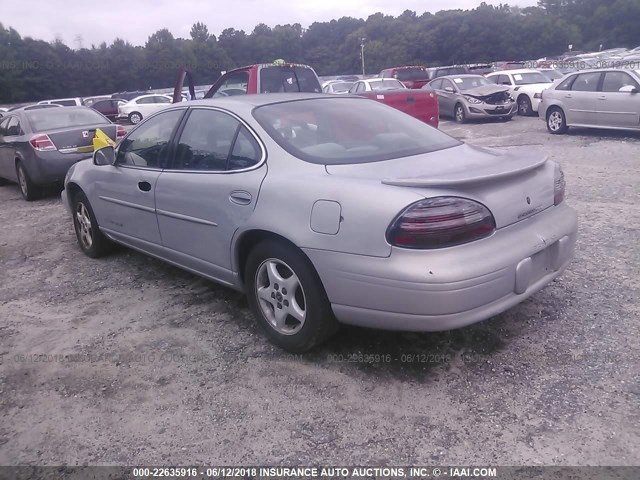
(30, 191)
(524, 106)
(90, 239)
(459, 114)
(287, 297)
(135, 117)
(556, 121)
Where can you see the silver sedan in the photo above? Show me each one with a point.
(329, 209)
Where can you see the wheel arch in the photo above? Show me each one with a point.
(250, 238)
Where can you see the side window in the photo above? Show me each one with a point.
(447, 83)
(504, 80)
(3, 125)
(586, 82)
(566, 83)
(614, 81)
(13, 128)
(206, 141)
(145, 100)
(161, 99)
(234, 84)
(147, 146)
(246, 151)
(436, 84)
(360, 87)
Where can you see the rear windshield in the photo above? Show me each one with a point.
(342, 86)
(465, 83)
(343, 130)
(288, 79)
(529, 78)
(53, 118)
(411, 74)
(386, 84)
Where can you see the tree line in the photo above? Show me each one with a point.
(33, 69)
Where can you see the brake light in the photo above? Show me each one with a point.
(42, 143)
(559, 185)
(441, 222)
(120, 132)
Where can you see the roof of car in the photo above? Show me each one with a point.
(257, 100)
(514, 71)
(462, 75)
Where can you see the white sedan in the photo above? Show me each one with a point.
(525, 85)
(376, 85)
(143, 106)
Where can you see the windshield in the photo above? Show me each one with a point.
(386, 84)
(344, 130)
(529, 78)
(411, 74)
(465, 83)
(342, 86)
(54, 118)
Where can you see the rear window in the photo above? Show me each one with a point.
(53, 118)
(411, 74)
(337, 131)
(288, 79)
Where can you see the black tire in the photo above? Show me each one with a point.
(135, 117)
(524, 106)
(30, 191)
(319, 323)
(90, 239)
(556, 121)
(459, 115)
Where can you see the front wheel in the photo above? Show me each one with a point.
(459, 113)
(524, 106)
(556, 121)
(90, 239)
(287, 297)
(135, 117)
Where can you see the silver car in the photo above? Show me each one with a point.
(472, 97)
(328, 209)
(604, 98)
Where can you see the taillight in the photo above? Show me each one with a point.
(441, 222)
(42, 143)
(120, 132)
(559, 185)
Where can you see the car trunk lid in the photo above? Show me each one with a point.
(79, 139)
(514, 185)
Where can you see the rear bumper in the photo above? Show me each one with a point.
(51, 167)
(452, 287)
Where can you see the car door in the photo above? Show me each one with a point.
(448, 97)
(615, 108)
(7, 167)
(123, 195)
(209, 191)
(580, 101)
(436, 85)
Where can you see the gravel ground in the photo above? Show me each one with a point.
(126, 360)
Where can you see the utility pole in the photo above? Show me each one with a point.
(362, 40)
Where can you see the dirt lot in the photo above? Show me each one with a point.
(126, 360)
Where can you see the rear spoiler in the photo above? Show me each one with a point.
(183, 73)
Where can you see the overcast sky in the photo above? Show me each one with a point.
(85, 22)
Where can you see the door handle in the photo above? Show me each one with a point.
(568, 95)
(240, 197)
(144, 186)
(602, 97)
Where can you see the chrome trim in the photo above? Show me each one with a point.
(187, 218)
(128, 204)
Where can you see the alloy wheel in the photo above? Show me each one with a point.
(555, 121)
(83, 221)
(280, 296)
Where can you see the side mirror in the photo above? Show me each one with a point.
(449, 89)
(104, 156)
(628, 89)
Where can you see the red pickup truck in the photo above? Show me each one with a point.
(420, 103)
(413, 76)
(262, 78)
